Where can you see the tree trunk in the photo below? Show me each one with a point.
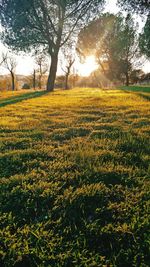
(34, 79)
(40, 82)
(127, 79)
(66, 81)
(102, 67)
(52, 73)
(40, 77)
(12, 81)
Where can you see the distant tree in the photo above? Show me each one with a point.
(5, 83)
(31, 80)
(146, 78)
(69, 59)
(49, 24)
(60, 81)
(34, 79)
(26, 86)
(41, 62)
(113, 41)
(70, 62)
(10, 63)
(136, 76)
(74, 77)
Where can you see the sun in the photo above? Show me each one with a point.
(88, 66)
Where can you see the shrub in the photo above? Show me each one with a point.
(26, 86)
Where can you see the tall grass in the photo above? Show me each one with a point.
(74, 179)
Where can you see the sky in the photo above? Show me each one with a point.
(25, 63)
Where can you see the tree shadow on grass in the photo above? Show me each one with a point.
(20, 98)
(141, 91)
(144, 89)
(145, 96)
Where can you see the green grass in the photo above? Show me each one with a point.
(74, 179)
(134, 88)
(20, 97)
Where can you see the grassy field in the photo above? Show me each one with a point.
(74, 169)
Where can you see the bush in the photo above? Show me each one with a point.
(26, 86)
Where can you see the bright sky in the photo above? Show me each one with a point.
(26, 63)
(87, 67)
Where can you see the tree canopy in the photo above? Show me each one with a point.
(140, 6)
(145, 39)
(112, 39)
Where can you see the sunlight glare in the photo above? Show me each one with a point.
(88, 66)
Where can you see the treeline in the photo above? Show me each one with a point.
(95, 79)
(13, 82)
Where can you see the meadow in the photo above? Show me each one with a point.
(74, 178)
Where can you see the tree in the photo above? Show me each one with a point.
(5, 83)
(29, 24)
(136, 76)
(42, 67)
(34, 79)
(139, 6)
(113, 41)
(145, 39)
(10, 64)
(146, 78)
(70, 62)
(26, 86)
(30, 81)
(130, 47)
(2, 59)
(69, 59)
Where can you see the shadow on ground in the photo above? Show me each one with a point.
(138, 90)
(145, 96)
(145, 89)
(20, 98)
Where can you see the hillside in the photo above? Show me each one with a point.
(74, 178)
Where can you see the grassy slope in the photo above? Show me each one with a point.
(74, 179)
